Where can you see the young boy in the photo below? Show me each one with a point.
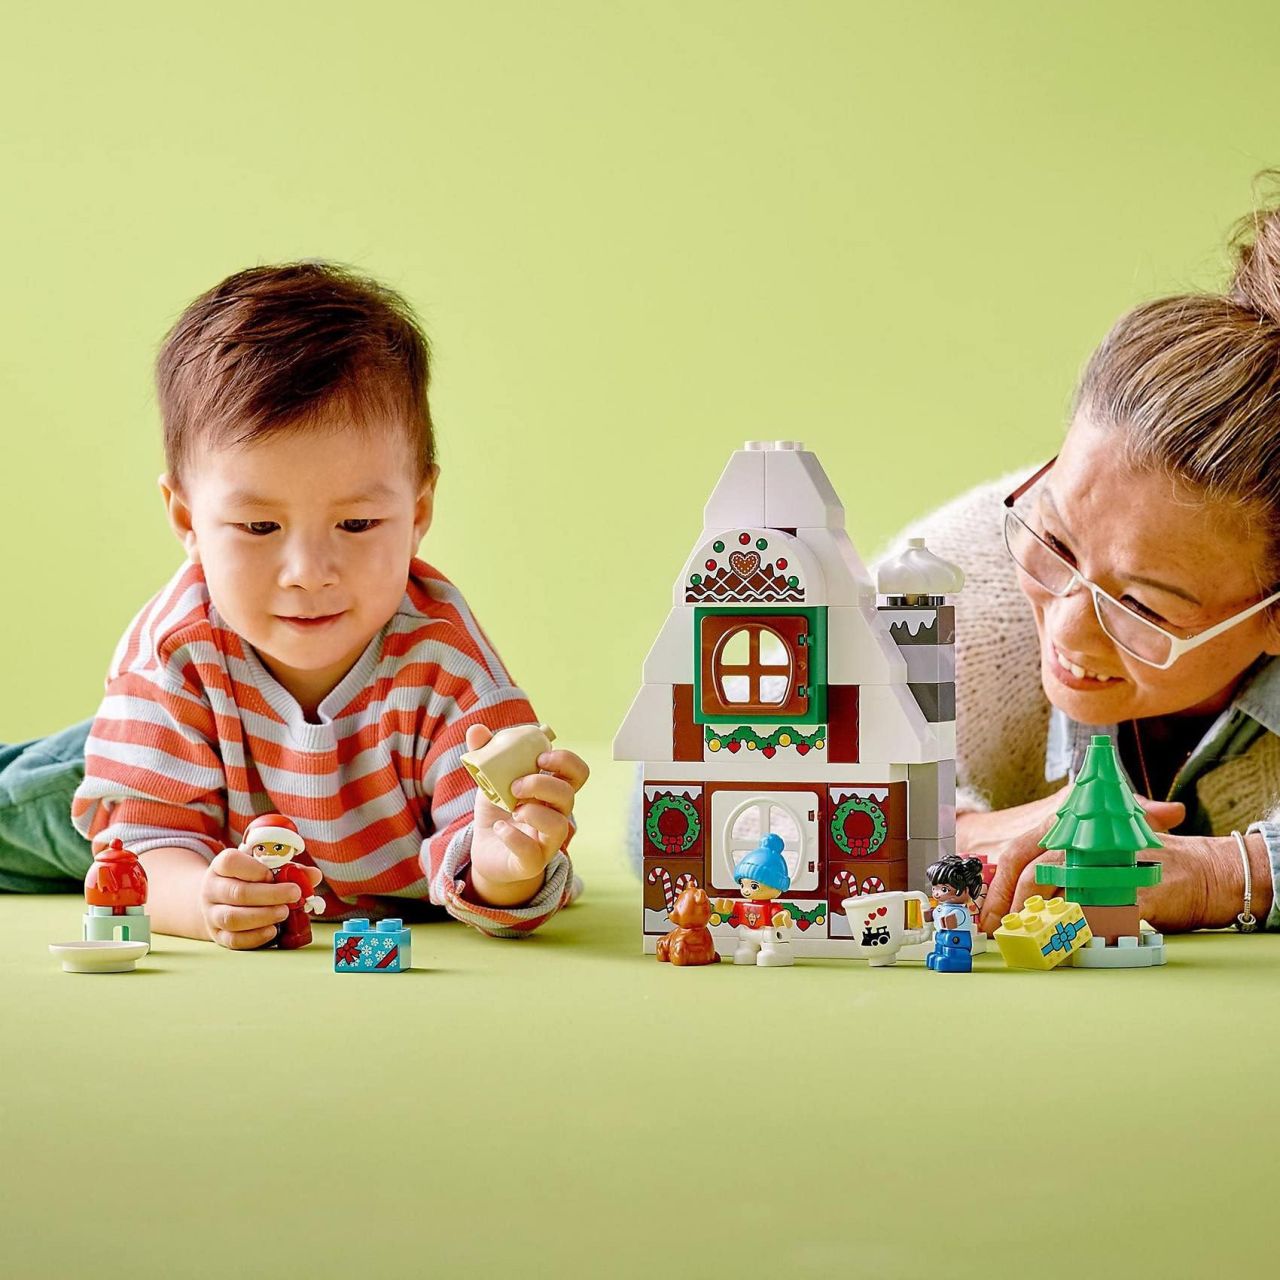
(302, 660)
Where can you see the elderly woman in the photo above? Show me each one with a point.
(1130, 586)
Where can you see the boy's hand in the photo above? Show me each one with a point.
(242, 904)
(510, 852)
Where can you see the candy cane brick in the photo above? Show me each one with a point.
(844, 880)
(660, 875)
(873, 884)
(688, 880)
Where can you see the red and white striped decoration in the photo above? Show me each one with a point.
(846, 881)
(873, 884)
(660, 875)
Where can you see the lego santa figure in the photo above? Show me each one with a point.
(273, 839)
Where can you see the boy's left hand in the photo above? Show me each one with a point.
(510, 851)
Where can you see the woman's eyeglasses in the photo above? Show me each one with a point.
(1139, 637)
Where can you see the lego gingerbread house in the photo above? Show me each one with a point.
(782, 695)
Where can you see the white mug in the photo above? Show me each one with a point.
(878, 922)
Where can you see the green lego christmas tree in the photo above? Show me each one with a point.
(1101, 828)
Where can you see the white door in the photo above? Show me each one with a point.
(741, 819)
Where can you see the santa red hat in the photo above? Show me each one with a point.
(274, 828)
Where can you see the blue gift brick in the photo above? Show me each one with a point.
(381, 948)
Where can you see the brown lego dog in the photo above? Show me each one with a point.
(691, 943)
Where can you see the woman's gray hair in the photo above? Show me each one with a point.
(1192, 382)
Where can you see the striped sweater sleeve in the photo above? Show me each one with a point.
(153, 775)
(446, 853)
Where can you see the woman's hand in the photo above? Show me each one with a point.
(1010, 838)
(1201, 882)
(1178, 903)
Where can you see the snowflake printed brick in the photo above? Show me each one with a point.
(359, 947)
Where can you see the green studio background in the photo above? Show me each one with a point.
(637, 235)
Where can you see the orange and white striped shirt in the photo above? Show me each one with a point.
(195, 738)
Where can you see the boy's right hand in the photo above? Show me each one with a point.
(242, 903)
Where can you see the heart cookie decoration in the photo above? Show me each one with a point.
(744, 563)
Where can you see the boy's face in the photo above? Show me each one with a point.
(754, 891)
(305, 540)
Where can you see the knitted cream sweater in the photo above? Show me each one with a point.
(1002, 714)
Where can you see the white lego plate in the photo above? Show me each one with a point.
(99, 957)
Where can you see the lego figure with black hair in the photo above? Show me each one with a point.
(764, 937)
(955, 884)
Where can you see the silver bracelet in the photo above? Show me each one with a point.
(1246, 921)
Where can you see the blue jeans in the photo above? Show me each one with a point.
(40, 851)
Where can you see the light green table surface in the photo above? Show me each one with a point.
(565, 1106)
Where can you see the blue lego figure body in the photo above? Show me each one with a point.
(381, 948)
(952, 951)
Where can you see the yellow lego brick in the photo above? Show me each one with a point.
(1043, 934)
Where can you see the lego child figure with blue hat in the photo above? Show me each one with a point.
(764, 937)
(955, 884)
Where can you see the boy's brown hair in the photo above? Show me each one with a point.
(285, 347)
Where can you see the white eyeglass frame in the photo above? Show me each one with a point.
(1177, 644)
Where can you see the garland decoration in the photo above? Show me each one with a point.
(767, 744)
